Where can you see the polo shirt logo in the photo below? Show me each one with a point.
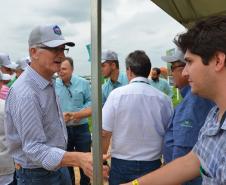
(186, 123)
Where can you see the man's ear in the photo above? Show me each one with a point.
(33, 53)
(220, 63)
(113, 65)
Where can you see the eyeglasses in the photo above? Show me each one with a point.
(173, 67)
(56, 49)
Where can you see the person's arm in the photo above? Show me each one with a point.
(174, 173)
(106, 137)
(27, 119)
(84, 113)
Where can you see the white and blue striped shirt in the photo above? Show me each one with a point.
(34, 125)
(211, 149)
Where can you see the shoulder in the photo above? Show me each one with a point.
(197, 100)
(76, 78)
(106, 83)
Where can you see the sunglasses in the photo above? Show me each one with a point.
(56, 49)
(173, 67)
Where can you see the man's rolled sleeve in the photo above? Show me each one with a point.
(53, 158)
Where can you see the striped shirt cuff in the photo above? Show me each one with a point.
(53, 159)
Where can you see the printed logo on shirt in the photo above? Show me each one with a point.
(186, 123)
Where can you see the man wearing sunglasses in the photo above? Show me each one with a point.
(189, 116)
(35, 128)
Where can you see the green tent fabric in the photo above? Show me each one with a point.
(187, 12)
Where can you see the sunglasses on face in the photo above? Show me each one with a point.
(173, 67)
(56, 49)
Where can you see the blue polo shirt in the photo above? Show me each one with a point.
(189, 116)
(74, 97)
(108, 86)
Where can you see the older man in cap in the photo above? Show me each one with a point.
(110, 69)
(189, 116)
(35, 128)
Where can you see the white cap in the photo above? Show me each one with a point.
(5, 61)
(22, 63)
(50, 36)
(173, 56)
(108, 55)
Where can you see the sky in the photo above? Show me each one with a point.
(127, 25)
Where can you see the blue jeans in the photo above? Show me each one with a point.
(41, 176)
(123, 171)
(79, 139)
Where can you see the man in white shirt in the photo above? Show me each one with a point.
(136, 117)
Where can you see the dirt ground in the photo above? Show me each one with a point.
(77, 177)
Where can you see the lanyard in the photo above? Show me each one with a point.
(140, 82)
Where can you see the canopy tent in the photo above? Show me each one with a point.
(187, 12)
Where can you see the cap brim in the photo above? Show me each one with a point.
(11, 66)
(103, 61)
(171, 59)
(56, 43)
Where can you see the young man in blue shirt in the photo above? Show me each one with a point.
(110, 69)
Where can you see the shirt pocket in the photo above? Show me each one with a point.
(78, 99)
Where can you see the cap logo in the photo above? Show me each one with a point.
(57, 30)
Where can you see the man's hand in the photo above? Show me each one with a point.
(67, 116)
(75, 116)
(86, 163)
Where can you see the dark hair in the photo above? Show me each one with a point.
(205, 38)
(139, 63)
(70, 60)
(158, 71)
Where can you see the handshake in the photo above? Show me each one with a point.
(71, 116)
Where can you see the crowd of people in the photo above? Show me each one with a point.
(44, 130)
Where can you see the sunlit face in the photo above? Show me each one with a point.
(66, 71)
(106, 69)
(47, 61)
(179, 80)
(200, 76)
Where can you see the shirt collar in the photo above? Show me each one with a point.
(38, 79)
(62, 83)
(141, 79)
(215, 126)
(185, 90)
